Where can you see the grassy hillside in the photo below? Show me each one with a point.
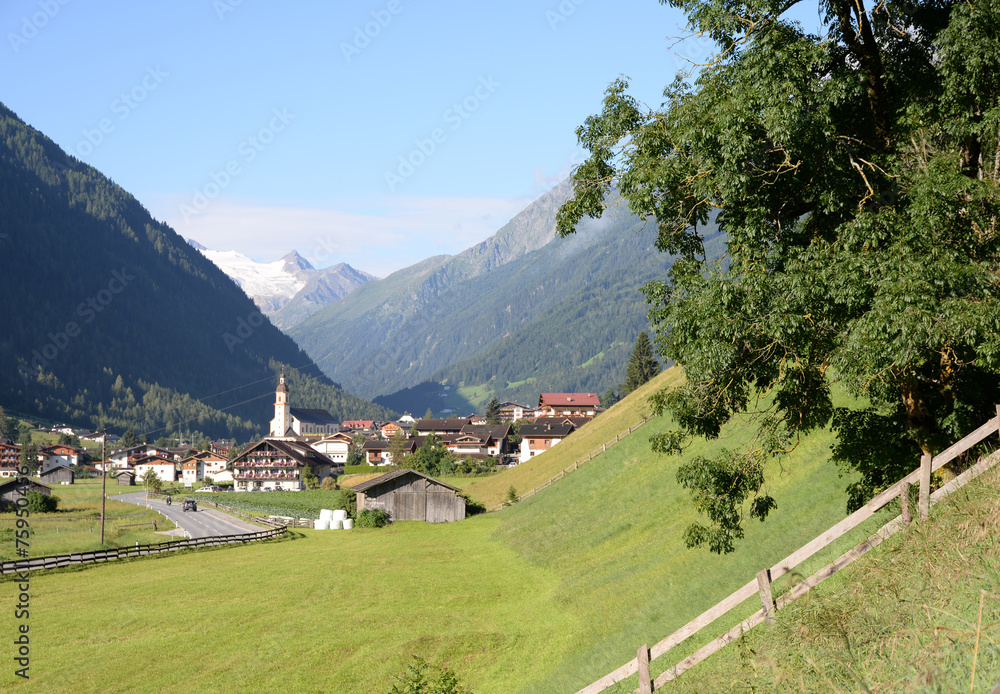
(624, 414)
(545, 596)
(914, 616)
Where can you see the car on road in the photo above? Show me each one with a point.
(190, 505)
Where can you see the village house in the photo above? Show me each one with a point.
(10, 456)
(361, 426)
(440, 427)
(538, 438)
(165, 467)
(126, 457)
(406, 421)
(495, 436)
(278, 463)
(58, 454)
(335, 447)
(192, 470)
(222, 447)
(513, 412)
(568, 405)
(390, 429)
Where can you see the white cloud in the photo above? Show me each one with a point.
(378, 235)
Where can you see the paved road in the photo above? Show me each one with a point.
(201, 523)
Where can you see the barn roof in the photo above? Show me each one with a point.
(568, 400)
(378, 481)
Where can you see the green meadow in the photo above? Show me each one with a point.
(544, 596)
(76, 525)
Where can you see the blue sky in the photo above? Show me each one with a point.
(373, 132)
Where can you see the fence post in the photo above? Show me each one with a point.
(645, 682)
(764, 586)
(924, 501)
(904, 501)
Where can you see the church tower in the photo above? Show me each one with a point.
(282, 409)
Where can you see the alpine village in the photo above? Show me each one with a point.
(530, 349)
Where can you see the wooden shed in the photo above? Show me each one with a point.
(58, 474)
(411, 495)
(126, 478)
(13, 488)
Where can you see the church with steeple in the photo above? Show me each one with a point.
(297, 422)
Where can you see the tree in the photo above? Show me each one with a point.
(129, 439)
(152, 481)
(28, 458)
(428, 414)
(492, 413)
(853, 176)
(609, 398)
(356, 453)
(642, 365)
(397, 448)
(8, 426)
(309, 478)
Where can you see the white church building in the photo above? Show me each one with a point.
(298, 422)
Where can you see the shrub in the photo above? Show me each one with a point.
(424, 678)
(39, 503)
(511, 495)
(350, 503)
(328, 484)
(373, 518)
(472, 507)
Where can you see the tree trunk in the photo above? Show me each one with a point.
(918, 418)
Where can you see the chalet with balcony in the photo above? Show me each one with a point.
(277, 463)
(10, 456)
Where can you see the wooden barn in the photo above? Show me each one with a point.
(11, 489)
(126, 478)
(410, 495)
(58, 474)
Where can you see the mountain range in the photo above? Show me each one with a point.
(290, 289)
(112, 318)
(520, 313)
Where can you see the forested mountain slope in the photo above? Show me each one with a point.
(110, 314)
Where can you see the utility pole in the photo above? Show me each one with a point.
(104, 478)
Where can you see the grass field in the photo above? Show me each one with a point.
(76, 527)
(544, 596)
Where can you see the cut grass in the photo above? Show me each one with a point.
(545, 596)
(76, 527)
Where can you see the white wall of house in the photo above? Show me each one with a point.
(166, 472)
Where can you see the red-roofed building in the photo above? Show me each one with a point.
(568, 405)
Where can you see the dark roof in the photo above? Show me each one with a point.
(33, 483)
(545, 430)
(497, 431)
(54, 468)
(382, 479)
(442, 424)
(300, 452)
(313, 416)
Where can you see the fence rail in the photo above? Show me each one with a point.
(576, 464)
(761, 584)
(55, 562)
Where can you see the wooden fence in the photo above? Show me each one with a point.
(576, 465)
(55, 562)
(761, 584)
